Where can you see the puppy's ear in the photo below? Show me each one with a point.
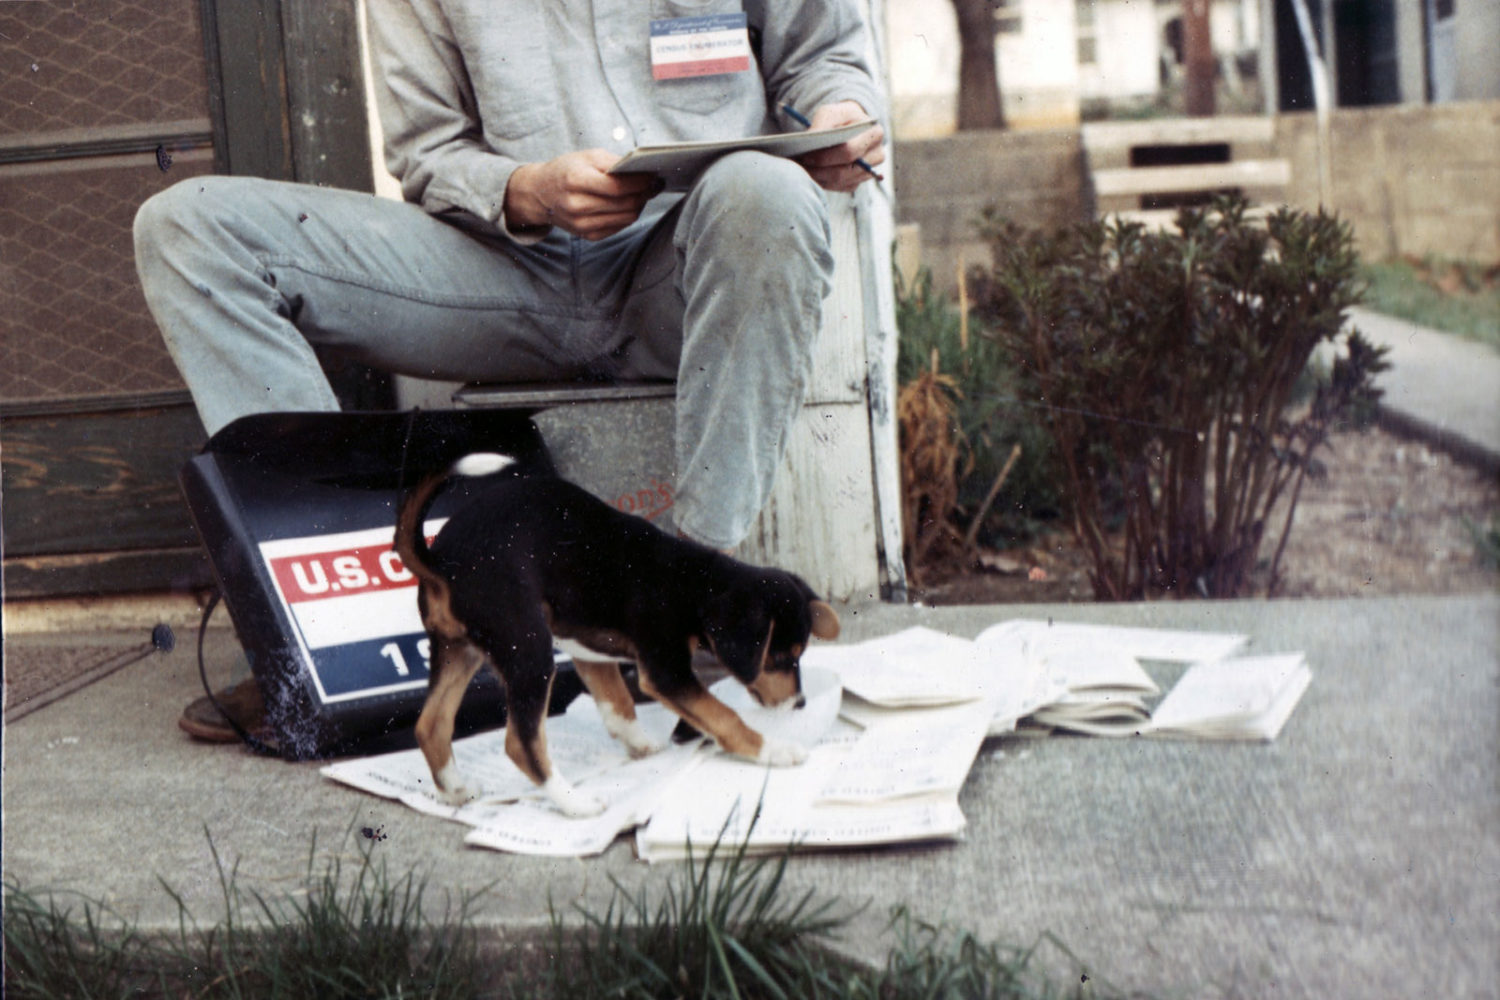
(825, 622)
(738, 635)
(739, 651)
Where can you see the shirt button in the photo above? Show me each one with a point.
(619, 133)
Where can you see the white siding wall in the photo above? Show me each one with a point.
(1128, 48)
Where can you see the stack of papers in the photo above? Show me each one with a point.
(892, 728)
(1042, 676)
(1105, 692)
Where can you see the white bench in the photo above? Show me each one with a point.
(1125, 189)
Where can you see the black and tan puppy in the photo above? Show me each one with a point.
(530, 558)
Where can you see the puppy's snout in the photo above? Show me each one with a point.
(801, 701)
(778, 689)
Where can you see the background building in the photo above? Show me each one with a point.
(1066, 61)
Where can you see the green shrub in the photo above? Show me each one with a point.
(1486, 541)
(1165, 364)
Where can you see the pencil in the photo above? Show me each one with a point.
(801, 119)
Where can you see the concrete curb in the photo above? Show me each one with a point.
(1410, 425)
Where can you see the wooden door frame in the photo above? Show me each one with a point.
(286, 90)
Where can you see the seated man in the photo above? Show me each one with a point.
(516, 255)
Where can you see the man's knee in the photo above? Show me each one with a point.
(171, 216)
(168, 209)
(765, 192)
(191, 209)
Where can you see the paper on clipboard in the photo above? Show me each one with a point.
(680, 162)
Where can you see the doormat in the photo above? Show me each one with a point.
(37, 674)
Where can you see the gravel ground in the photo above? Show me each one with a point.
(1392, 516)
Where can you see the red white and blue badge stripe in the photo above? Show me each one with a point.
(699, 46)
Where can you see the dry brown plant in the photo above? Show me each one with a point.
(932, 452)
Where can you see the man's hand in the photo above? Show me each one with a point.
(834, 168)
(576, 193)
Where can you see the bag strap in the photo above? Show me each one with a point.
(253, 742)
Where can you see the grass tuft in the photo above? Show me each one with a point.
(54, 948)
(728, 928)
(937, 962)
(360, 934)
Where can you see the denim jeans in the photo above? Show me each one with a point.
(252, 281)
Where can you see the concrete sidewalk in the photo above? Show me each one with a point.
(1358, 855)
(1440, 386)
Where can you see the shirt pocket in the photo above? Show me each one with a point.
(508, 56)
(702, 95)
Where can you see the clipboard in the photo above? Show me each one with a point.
(680, 163)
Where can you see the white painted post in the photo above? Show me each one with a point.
(835, 515)
(877, 235)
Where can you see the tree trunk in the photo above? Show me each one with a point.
(1198, 55)
(978, 79)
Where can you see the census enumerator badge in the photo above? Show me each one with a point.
(700, 46)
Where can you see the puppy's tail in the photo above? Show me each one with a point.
(411, 513)
(481, 463)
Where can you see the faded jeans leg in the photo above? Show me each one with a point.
(745, 272)
(251, 280)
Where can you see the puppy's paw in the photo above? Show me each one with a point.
(459, 796)
(452, 789)
(629, 732)
(775, 753)
(640, 745)
(570, 801)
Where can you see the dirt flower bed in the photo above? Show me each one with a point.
(1392, 516)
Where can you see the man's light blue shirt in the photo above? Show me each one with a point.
(468, 90)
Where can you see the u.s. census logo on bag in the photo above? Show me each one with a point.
(353, 609)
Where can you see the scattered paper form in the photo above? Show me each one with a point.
(896, 781)
(909, 754)
(1242, 699)
(1149, 644)
(513, 814)
(893, 726)
(1090, 676)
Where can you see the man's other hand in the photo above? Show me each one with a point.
(834, 168)
(576, 193)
